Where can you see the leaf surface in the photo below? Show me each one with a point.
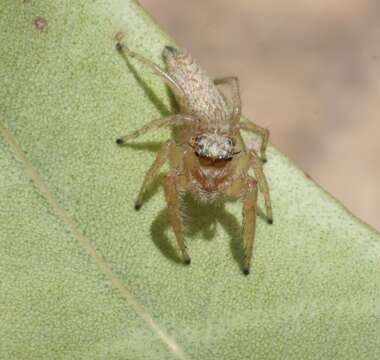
(84, 276)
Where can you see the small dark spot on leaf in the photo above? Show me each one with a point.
(40, 23)
(119, 36)
(308, 175)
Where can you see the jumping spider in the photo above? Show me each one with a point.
(208, 158)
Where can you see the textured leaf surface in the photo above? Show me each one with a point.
(84, 276)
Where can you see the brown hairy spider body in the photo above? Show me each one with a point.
(208, 158)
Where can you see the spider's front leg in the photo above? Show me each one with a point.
(172, 196)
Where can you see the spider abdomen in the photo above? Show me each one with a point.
(203, 99)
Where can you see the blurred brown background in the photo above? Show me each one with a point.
(309, 71)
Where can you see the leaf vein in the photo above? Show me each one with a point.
(100, 262)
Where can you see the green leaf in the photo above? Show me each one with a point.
(84, 276)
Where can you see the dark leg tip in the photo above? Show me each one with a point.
(264, 160)
(187, 261)
(246, 271)
(119, 141)
(171, 49)
(270, 221)
(119, 46)
(138, 206)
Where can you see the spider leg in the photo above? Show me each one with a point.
(263, 184)
(245, 187)
(152, 125)
(233, 83)
(161, 157)
(173, 201)
(249, 222)
(174, 86)
(264, 133)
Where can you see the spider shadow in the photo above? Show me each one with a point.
(157, 102)
(261, 214)
(200, 219)
(152, 146)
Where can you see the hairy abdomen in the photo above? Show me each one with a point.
(202, 98)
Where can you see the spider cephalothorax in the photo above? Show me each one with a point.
(207, 139)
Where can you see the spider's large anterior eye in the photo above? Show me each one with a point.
(200, 139)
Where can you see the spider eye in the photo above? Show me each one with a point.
(199, 138)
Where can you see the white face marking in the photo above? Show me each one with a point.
(214, 150)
